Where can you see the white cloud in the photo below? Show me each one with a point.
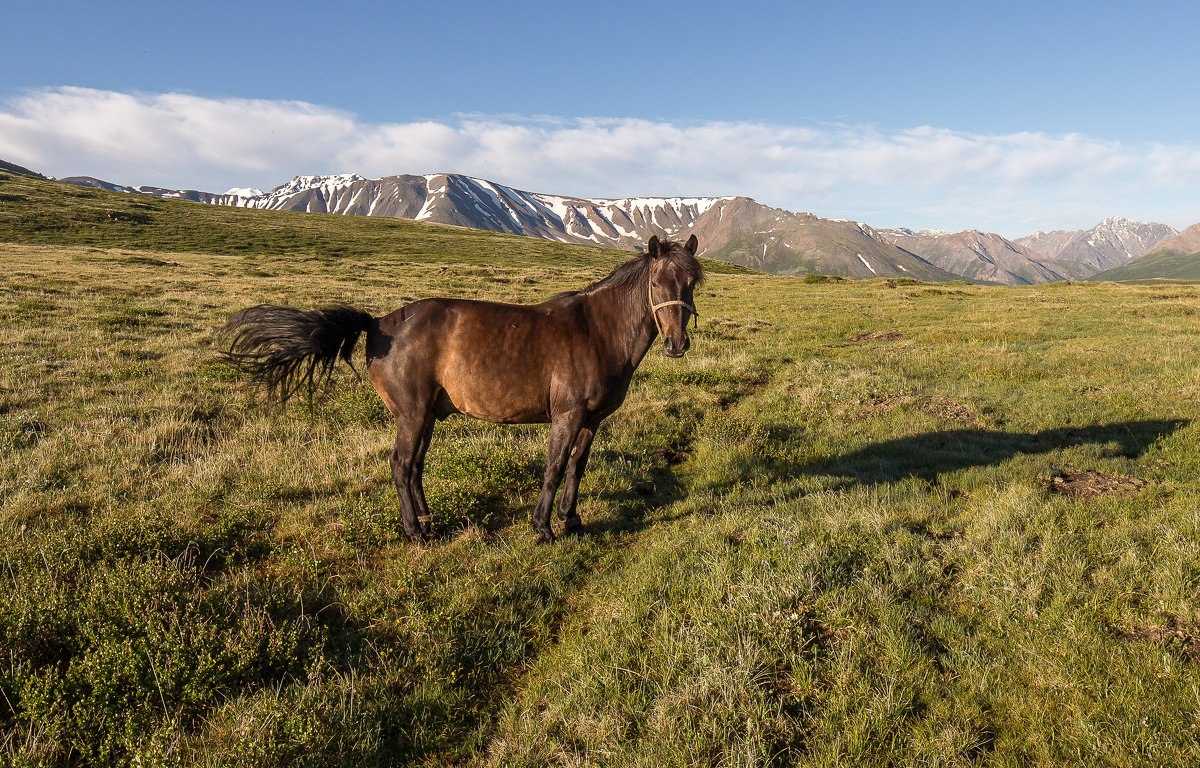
(167, 139)
(922, 176)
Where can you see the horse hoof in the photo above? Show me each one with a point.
(545, 537)
(574, 527)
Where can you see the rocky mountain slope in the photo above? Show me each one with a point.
(1111, 243)
(984, 256)
(1174, 258)
(1186, 242)
(745, 232)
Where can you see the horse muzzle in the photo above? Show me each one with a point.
(673, 348)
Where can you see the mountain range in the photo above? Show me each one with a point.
(984, 256)
(1112, 243)
(736, 229)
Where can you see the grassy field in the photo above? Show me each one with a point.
(877, 522)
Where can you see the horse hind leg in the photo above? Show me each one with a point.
(415, 486)
(409, 398)
(408, 455)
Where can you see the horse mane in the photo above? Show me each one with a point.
(633, 272)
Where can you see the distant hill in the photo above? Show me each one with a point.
(1176, 258)
(984, 256)
(14, 168)
(1114, 242)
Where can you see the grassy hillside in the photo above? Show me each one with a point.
(1161, 264)
(876, 522)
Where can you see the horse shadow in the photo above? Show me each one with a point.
(657, 487)
(930, 455)
(927, 456)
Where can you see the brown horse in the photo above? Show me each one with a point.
(567, 361)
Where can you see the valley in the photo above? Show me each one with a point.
(876, 521)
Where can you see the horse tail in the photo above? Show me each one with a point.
(290, 349)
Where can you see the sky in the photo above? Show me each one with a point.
(1008, 117)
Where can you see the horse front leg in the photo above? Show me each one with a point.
(576, 465)
(564, 429)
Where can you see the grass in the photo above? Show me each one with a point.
(829, 535)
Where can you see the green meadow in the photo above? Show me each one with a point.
(861, 523)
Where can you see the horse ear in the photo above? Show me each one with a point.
(691, 245)
(652, 247)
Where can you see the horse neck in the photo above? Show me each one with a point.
(624, 312)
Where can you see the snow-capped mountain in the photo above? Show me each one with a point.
(1111, 243)
(446, 198)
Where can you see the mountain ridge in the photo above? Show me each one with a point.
(737, 229)
(733, 228)
(1111, 243)
(984, 256)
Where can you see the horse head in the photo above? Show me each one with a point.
(674, 275)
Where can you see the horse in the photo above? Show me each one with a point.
(567, 361)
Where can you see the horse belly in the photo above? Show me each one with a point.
(496, 391)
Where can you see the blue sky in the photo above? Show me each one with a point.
(1005, 116)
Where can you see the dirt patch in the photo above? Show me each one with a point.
(1182, 639)
(878, 336)
(951, 410)
(863, 408)
(1089, 484)
(670, 455)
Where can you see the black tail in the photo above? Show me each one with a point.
(289, 349)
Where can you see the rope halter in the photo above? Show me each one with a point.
(655, 307)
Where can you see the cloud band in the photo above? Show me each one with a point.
(921, 176)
